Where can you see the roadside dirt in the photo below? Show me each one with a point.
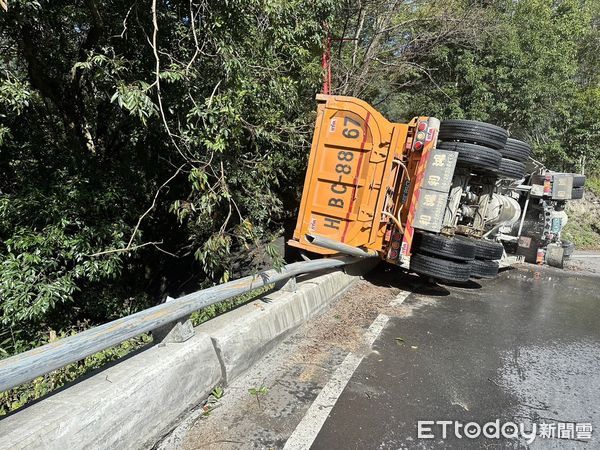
(343, 325)
(295, 372)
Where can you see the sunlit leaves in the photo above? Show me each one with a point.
(41, 269)
(107, 66)
(135, 99)
(15, 96)
(213, 252)
(198, 179)
(527, 70)
(4, 134)
(175, 73)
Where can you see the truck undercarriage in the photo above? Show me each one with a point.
(450, 200)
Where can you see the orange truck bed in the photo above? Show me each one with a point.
(365, 178)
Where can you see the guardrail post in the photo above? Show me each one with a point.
(177, 331)
(287, 286)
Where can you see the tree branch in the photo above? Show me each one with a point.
(126, 249)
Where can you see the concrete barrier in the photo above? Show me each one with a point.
(243, 336)
(123, 406)
(135, 402)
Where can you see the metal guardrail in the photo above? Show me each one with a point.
(33, 363)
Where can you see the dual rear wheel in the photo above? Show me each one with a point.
(485, 148)
(454, 259)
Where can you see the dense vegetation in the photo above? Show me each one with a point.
(149, 148)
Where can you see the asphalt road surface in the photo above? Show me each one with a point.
(523, 348)
(587, 260)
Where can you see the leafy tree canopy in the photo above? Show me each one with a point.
(144, 148)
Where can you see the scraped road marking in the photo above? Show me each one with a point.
(307, 430)
(400, 298)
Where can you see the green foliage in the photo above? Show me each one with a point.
(34, 278)
(4, 134)
(593, 184)
(212, 400)
(217, 309)
(15, 96)
(263, 390)
(135, 99)
(121, 183)
(529, 66)
(276, 258)
(217, 392)
(583, 227)
(258, 392)
(583, 235)
(110, 202)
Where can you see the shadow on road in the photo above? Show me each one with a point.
(387, 275)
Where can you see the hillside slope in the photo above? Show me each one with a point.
(583, 227)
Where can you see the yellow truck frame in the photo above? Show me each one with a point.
(367, 184)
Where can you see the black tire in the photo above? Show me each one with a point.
(568, 248)
(474, 132)
(484, 249)
(483, 269)
(578, 180)
(442, 269)
(488, 250)
(474, 156)
(511, 169)
(577, 193)
(516, 150)
(446, 247)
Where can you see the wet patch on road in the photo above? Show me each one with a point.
(524, 347)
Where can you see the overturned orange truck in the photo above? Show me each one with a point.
(391, 189)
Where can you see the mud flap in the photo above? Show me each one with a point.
(555, 255)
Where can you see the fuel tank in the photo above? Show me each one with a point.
(503, 210)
